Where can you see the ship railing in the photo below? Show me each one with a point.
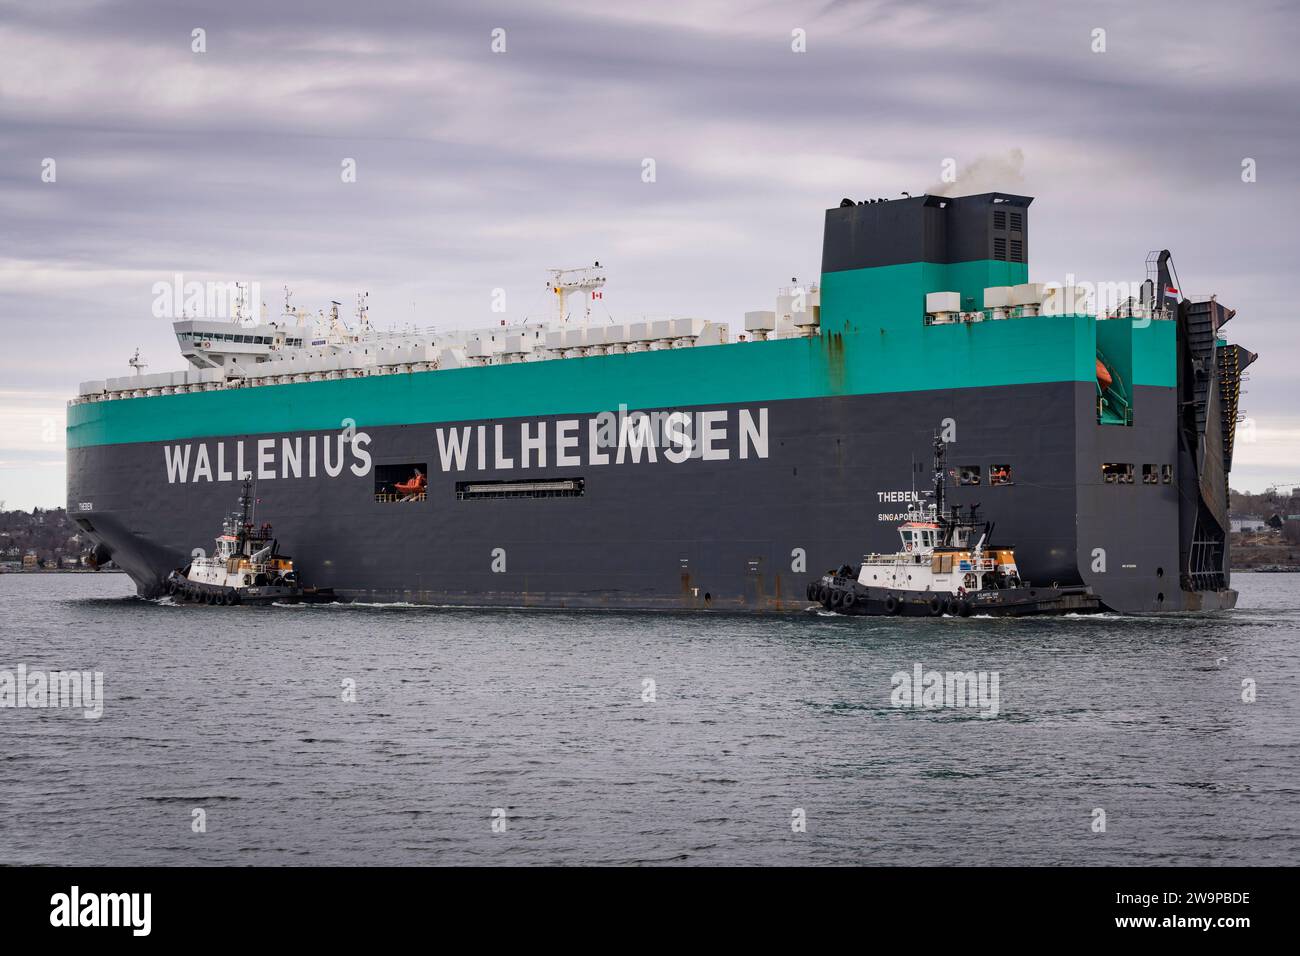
(407, 333)
(1009, 312)
(970, 564)
(892, 557)
(385, 497)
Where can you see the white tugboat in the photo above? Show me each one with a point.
(246, 567)
(947, 565)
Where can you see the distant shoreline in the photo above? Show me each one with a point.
(61, 571)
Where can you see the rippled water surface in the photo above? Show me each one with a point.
(240, 712)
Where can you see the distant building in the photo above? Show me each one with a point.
(30, 562)
(1247, 523)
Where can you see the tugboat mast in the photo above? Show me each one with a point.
(245, 517)
(940, 475)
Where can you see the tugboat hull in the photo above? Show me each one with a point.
(183, 589)
(845, 595)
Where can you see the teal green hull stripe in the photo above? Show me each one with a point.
(879, 344)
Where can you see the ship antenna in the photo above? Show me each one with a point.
(363, 312)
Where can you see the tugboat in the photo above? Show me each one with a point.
(948, 565)
(247, 567)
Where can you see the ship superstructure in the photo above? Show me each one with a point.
(670, 463)
(299, 347)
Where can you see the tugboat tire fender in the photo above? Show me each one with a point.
(963, 608)
(936, 605)
(891, 605)
(846, 602)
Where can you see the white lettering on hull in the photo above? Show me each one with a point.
(625, 438)
(274, 460)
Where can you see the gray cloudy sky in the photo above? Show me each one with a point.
(478, 170)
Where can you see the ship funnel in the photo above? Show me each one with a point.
(934, 229)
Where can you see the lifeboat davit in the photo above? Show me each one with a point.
(1103, 374)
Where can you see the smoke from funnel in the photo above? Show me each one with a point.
(984, 174)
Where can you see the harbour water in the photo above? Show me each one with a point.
(403, 735)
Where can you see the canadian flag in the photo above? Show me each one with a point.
(598, 295)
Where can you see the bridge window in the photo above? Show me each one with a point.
(968, 474)
(403, 482)
(1166, 474)
(1150, 475)
(1000, 475)
(1117, 473)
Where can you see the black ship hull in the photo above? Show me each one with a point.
(739, 533)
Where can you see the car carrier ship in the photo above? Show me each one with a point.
(670, 464)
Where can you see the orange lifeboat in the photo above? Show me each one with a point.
(1103, 374)
(414, 486)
